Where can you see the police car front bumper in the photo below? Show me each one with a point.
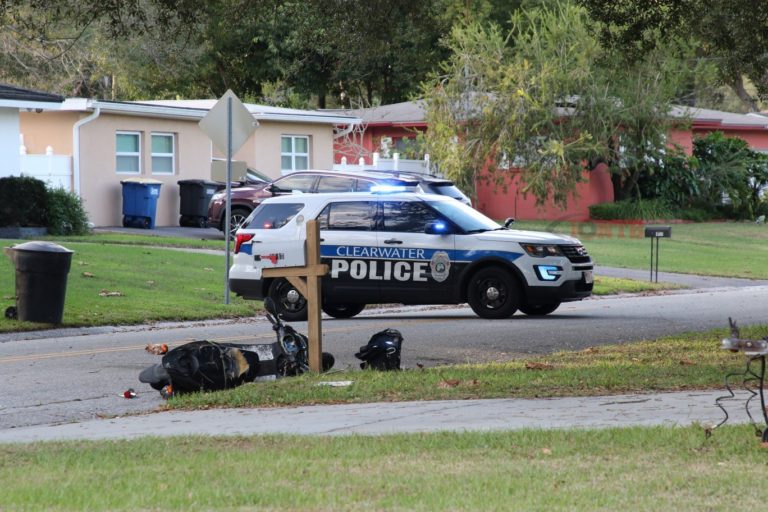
(251, 289)
(568, 291)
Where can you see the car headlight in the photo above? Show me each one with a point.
(540, 251)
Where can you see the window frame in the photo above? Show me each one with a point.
(137, 154)
(171, 155)
(293, 153)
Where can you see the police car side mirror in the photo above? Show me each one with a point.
(438, 227)
(509, 222)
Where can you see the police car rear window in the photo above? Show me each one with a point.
(274, 216)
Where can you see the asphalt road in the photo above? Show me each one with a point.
(77, 374)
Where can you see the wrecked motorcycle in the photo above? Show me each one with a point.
(210, 366)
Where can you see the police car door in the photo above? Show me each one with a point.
(347, 239)
(415, 267)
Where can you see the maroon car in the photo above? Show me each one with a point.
(245, 198)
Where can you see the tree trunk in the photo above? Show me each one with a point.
(737, 84)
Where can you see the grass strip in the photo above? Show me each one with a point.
(673, 363)
(729, 249)
(613, 469)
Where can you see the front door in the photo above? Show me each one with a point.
(415, 267)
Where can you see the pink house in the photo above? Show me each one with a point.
(402, 121)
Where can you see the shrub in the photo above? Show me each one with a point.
(27, 202)
(632, 210)
(22, 202)
(65, 213)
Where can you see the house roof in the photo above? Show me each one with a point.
(706, 118)
(406, 113)
(197, 109)
(12, 96)
(413, 113)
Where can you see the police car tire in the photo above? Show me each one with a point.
(539, 309)
(288, 311)
(503, 283)
(343, 310)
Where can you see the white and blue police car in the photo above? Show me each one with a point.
(407, 248)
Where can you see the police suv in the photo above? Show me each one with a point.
(406, 248)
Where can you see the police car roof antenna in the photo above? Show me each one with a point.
(306, 280)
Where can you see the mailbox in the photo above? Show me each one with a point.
(658, 231)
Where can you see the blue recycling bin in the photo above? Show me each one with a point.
(140, 202)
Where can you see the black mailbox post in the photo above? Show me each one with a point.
(656, 233)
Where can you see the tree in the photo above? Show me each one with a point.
(547, 99)
(732, 35)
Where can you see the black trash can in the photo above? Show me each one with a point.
(195, 196)
(41, 280)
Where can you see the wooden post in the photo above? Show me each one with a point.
(306, 280)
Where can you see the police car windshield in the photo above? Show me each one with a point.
(466, 217)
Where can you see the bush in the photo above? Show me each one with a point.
(65, 213)
(27, 202)
(23, 202)
(652, 209)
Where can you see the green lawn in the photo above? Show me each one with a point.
(734, 249)
(112, 284)
(643, 469)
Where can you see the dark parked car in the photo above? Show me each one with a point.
(245, 198)
(429, 184)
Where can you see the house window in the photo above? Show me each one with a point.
(163, 160)
(294, 153)
(128, 152)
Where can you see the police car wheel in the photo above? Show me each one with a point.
(539, 309)
(493, 293)
(291, 305)
(342, 310)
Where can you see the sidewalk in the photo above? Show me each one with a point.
(668, 409)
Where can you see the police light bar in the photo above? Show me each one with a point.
(388, 188)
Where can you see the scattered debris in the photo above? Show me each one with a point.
(450, 383)
(530, 365)
(208, 269)
(419, 366)
(335, 383)
(107, 293)
(129, 393)
(157, 348)
(546, 451)
(87, 274)
(686, 362)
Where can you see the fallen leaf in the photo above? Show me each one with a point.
(107, 293)
(546, 451)
(150, 283)
(420, 366)
(82, 263)
(87, 274)
(538, 366)
(208, 269)
(471, 382)
(157, 348)
(591, 350)
(452, 383)
(686, 362)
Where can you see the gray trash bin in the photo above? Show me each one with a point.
(41, 280)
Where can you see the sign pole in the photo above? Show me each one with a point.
(228, 209)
